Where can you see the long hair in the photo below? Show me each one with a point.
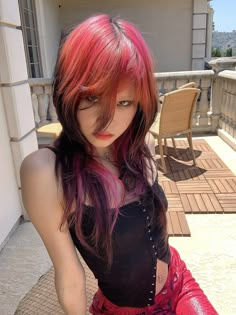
(93, 59)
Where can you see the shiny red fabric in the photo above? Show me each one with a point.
(181, 295)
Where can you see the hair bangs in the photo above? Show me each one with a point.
(113, 62)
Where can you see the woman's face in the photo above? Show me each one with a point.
(91, 108)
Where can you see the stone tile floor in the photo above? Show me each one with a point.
(210, 253)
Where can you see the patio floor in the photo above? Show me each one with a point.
(210, 252)
(207, 187)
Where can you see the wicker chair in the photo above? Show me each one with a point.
(187, 85)
(175, 118)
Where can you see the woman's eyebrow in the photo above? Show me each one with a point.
(126, 96)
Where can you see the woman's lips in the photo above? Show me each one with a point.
(103, 135)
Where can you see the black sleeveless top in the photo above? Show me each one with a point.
(130, 281)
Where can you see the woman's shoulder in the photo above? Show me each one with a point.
(39, 183)
(40, 164)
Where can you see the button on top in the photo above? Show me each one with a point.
(154, 250)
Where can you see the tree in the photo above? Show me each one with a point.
(216, 52)
(229, 52)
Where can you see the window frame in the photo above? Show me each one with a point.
(34, 68)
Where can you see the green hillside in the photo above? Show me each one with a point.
(223, 41)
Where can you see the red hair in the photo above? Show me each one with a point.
(95, 56)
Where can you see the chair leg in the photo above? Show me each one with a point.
(161, 154)
(189, 136)
(165, 146)
(174, 146)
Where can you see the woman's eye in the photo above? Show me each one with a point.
(124, 103)
(92, 99)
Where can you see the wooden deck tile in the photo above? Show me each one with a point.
(201, 146)
(169, 187)
(232, 183)
(215, 203)
(201, 203)
(213, 186)
(208, 164)
(218, 173)
(207, 155)
(184, 224)
(177, 224)
(200, 186)
(174, 201)
(193, 203)
(207, 200)
(196, 173)
(227, 202)
(166, 186)
(185, 202)
(174, 188)
(169, 225)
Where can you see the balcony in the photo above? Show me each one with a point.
(210, 251)
(215, 111)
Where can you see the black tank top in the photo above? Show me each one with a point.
(130, 281)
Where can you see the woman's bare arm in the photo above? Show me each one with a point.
(42, 197)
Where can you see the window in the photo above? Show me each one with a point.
(30, 35)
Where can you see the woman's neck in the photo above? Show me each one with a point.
(104, 154)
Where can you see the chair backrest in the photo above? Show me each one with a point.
(188, 85)
(177, 111)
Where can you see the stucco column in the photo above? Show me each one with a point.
(14, 86)
(199, 33)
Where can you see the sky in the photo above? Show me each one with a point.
(224, 15)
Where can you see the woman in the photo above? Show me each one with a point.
(96, 188)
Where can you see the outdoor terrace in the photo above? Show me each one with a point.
(202, 198)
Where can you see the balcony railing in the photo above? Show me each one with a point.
(215, 110)
(203, 114)
(224, 100)
(41, 93)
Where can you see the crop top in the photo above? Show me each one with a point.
(130, 281)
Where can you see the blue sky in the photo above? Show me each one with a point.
(224, 15)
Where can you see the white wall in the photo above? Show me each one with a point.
(10, 206)
(49, 33)
(166, 25)
(17, 127)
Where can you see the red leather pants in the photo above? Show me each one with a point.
(181, 295)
